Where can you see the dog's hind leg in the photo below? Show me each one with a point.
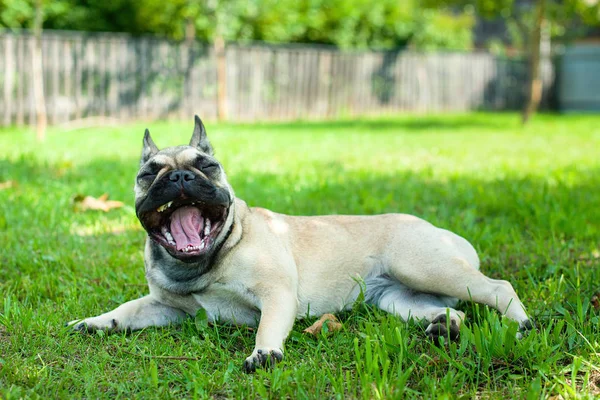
(455, 277)
(390, 295)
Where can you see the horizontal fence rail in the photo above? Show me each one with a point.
(119, 76)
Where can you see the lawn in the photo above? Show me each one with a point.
(527, 198)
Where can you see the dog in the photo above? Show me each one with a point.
(206, 249)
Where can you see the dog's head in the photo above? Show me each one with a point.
(182, 197)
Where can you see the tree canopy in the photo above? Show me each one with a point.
(567, 19)
(345, 23)
(384, 24)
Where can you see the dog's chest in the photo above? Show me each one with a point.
(229, 303)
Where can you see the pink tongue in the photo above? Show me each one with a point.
(186, 223)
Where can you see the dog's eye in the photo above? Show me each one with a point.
(146, 176)
(209, 168)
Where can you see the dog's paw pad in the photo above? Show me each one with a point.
(439, 327)
(92, 325)
(82, 327)
(526, 325)
(262, 358)
(524, 328)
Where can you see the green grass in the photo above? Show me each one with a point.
(527, 198)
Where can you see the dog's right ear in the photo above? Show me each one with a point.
(149, 149)
(199, 138)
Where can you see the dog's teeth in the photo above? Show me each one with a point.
(164, 206)
(192, 248)
(207, 227)
(169, 237)
(202, 244)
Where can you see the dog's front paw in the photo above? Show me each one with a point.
(262, 358)
(440, 327)
(524, 328)
(91, 325)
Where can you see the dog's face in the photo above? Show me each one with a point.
(182, 197)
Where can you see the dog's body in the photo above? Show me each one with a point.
(256, 267)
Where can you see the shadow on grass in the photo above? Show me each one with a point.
(531, 203)
(492, 214)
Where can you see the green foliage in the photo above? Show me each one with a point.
(15, 13)
(440, 30)
(349, 24)
(525, 197)
(567, 19)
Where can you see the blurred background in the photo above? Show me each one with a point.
(71, 60)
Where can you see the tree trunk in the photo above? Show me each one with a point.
(190, 31)
(37, 72)
(534, 92)
(219, 45)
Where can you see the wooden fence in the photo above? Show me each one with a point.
(119, 76)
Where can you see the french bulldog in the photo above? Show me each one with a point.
(207, 249)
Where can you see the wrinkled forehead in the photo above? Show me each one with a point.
(177, 157)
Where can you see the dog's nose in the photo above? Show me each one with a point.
(180, 176)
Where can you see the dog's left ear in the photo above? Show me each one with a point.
(199, 138)
(149, 149)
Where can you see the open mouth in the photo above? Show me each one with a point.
(186, 228)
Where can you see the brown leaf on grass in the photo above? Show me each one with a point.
(595, 300)
(7, 185)
(594, 386)
(85, 203)
(332, 325)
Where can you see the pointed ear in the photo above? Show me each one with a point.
(199, 138)
(149, 148)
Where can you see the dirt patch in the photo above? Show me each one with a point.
(594, 386)
(3, 334)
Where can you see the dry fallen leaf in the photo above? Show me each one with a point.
(7, 185)
(332, 325)
(594, 383)
(596, 301)
(85, 203)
